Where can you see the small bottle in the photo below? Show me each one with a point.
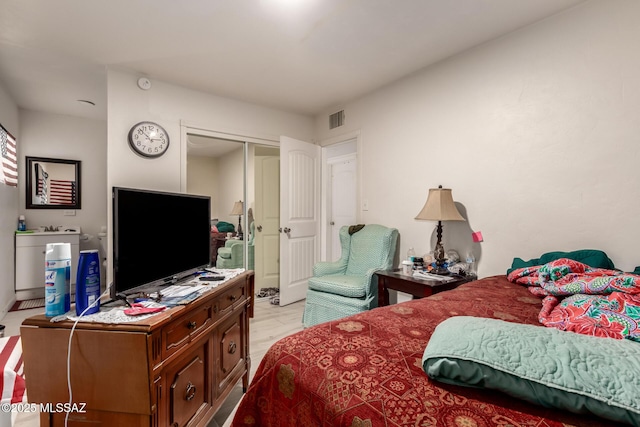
(411, 254)
(22, 223)
(471, 262)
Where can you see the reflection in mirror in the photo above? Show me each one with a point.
(52, 183)
(215, 167)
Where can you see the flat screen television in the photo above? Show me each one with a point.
(159, 238)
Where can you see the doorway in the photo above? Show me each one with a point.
(266, 216)
(341, 195)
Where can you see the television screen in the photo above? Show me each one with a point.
(158, 237)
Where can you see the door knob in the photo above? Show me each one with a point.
(332, 223)
(259, 228)
(287, 230)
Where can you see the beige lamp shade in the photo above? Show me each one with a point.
(237, 208)
(440, 206)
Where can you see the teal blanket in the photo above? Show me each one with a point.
(552, 368)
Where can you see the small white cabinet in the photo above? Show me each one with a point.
(30, 254)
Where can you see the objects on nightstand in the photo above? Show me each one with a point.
(407, 267)
(452, 256)
(410, 254)
(471, 262)
(414, 261)
(440, 207)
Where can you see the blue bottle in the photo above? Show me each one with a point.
(57, 276)
(88, 283)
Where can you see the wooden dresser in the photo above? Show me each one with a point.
(173, 369)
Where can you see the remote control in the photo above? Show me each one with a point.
(211, 278)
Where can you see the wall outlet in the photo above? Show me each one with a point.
(365, 205)
(70, 213)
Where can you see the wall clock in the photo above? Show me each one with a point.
(148, 139)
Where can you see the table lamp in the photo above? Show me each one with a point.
(440, 207)
(238, 210)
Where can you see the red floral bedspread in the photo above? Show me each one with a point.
(365, 370)
(585, 300)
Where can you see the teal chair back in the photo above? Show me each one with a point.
(373, 247)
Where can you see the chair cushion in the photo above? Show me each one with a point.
(341, 284)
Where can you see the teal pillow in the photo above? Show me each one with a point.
(544, 366)
(225, 227)
(592, 257)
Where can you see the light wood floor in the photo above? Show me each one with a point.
(270, 323)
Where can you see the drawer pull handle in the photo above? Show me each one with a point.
(232, 347)
(215, 308)
(192, 325)
(232, 298)
(190, 392)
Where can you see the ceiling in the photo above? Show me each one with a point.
(303, 56)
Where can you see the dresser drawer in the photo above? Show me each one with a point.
(229, 298)
(190, 392)
(181, 331)
(231, 351)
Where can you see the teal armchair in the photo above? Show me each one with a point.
(347, 286)
(232, 254)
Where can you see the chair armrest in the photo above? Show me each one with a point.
(324, 268)
(237, 249)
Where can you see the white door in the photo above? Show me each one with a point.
(343, 203)
(267, 221)
(299, 216)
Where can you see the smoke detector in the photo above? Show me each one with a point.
(144, 83)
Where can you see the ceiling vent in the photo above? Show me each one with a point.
(336, 119)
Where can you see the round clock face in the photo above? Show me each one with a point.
(148, 139)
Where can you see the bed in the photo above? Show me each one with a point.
(367, 370)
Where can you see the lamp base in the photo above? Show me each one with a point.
(239, 234)
(438, 254)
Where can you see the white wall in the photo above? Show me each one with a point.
(171, 106)
(202, 178)
(66, 137)
(231, 176)
(537, 133)
(220, 178)
(8, 209)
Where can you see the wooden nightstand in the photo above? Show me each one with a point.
(419, 288)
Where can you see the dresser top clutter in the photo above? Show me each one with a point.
(174, 368)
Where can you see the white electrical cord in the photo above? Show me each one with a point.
(66, 418)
